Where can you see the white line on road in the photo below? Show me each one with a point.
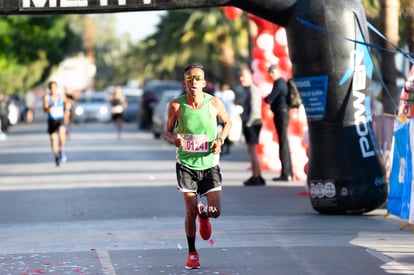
(106, 262)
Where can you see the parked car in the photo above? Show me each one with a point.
(153, 89)
(92, 106)
(133, 97)
(4, 113)
(159, 118)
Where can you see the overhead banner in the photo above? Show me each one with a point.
(99, 6)
(35, 5)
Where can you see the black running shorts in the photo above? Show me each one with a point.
(198, 181)
(53, 125)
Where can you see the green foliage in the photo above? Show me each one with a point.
(372, 8)
(109, 51)
(31, 46)
(185, 36)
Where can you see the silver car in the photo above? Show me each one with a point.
(92, 106)
(159, 117)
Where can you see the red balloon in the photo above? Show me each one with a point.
(262, 24)
(263, 66)
(280, 51)
(258, 53)
(296, 129)
(267, 114)
(232, 12)
(285, 64)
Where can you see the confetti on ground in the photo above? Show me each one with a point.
(35, 264)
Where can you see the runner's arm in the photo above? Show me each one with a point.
(172, 118)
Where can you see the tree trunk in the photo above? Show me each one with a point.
(410, 25)
(389, 16)
(227, 60)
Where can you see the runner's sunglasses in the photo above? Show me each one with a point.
(189, 77)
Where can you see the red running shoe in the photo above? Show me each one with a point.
(193, 261)
(205, 226)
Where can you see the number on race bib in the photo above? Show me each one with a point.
(195, 143)
(56, 111)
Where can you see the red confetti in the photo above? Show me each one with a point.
(77, 269)
(211, 241)
(39, 271)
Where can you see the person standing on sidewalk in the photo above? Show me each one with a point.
(3, 116)
(278, 100)
(192, 127)
(251, 101)
(54, 105)
(228, 97)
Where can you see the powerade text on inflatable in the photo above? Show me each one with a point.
(332, 68)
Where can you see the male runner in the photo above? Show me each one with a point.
(194, 118)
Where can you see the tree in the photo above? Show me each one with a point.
(31, 46)
(202, 35)
(386, 14)
(109, 52)
(409, 11)
(389, 14)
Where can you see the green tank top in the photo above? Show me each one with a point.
(198, 129)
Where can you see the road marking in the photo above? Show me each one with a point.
(391, 266)
(106, 262)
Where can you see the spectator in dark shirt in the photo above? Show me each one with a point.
(278, 100)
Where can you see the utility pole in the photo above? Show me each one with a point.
(89, 42)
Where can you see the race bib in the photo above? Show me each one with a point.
(196, 143)
(56, 111)
(117, 109)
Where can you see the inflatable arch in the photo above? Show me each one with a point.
(333, 70)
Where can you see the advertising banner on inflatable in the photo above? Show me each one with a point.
(399, 198)
(401, 193)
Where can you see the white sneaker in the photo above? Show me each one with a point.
(63, 157)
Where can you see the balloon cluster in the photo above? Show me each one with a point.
(270, 47)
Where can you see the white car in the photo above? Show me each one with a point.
(92, 106)
(159, 117)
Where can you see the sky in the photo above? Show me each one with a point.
(138, 24)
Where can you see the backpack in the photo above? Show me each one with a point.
(294, 100)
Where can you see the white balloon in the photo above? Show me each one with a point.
(280, 37)
(271, 58)
(265, 41)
